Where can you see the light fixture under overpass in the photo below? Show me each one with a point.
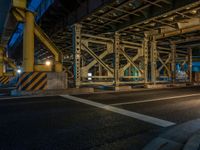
(19, 71)
(48, 63)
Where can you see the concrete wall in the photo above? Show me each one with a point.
(56, 81)
(196, 77)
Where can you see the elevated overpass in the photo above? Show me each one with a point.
(100, 74)
(116, 42)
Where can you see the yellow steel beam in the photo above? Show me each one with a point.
(22, 15)
(51, 46)
(19, 3)
(42, 68)
(46, 41)
(102, 63)
(19, 14)
(10, 63)
(1, 61)
(28, 42)
(10, 74)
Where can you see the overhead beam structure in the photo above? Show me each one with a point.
(122, 42)
(31, 30)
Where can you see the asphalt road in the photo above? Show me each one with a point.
(60, 123)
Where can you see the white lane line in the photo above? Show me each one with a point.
(145, 118)
(154, 100)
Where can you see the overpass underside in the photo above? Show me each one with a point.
(118, 42)
(128, 42)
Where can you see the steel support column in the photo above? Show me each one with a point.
(173, 62)
(100, 70)
(190, 64)
(1, 61)
(77, 54)
(153, 60)
(28, 42)
(145, 52)
(116, 51)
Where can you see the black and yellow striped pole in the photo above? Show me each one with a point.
(1, 61)
(4, 80)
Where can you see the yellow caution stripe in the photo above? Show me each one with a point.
(32, 81)
(4, 80)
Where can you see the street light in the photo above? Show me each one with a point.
(19, 71)
(47, 63)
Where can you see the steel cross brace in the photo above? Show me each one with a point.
(164, 64)
(99, 60)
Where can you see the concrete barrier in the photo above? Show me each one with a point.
(156, 86)
(71, 91)
(179, 85)
(56, 80)
(176, 137)
(123, 88)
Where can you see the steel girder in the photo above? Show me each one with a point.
(173, 48)
(6, 61)
(88, 7)
(97, 55)
(92, 58)
(31, 29)
(164, 63)
(77, 54)
(190, 64)
(154, 56)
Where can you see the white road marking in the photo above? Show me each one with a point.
(145, 118)
(154, 100)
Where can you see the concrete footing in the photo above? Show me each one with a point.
(179, 85)
(71, 91)
(195, 84)
(156, 86)
(123, 88)
(56, 81)
(160, 86)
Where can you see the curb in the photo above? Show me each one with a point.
(176, 137)
(193, 143)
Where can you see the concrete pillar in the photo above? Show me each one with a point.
(1, 61)
(173, 62)
(116, 51)
(153, 60)
(77, 54)
(190, 64)
(28, 42)
(145, 52)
